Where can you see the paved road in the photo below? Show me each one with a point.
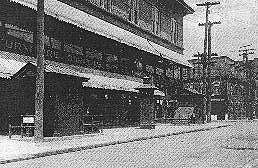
(230, 147)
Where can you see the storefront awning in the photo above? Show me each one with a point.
(15, 62)
(91, 23)
(103, 82)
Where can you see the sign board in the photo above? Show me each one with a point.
(28, 120)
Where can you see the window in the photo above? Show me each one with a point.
(191, 73)
(19, 33)
(198, 71)
(56, 44)
(96, 2)
(105, 4)
(145, 15)
(173, 30)
(216, 88)
(165, 29)
(122, 8)
(159, 71)
(94, 59)
(134, 11)
(179, 35)
(125, 66)
(176, 33)
(176, 72)
(19, 40)
(71, 48)
(112, 63)
(156, 21)
(149, 69)
(185, 73)
(169, 73)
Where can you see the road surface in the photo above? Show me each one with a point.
(230, 147)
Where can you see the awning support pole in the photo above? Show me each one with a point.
(39, 95)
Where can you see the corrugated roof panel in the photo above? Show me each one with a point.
(96, 81)
(91, 23)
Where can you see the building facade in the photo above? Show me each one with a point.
(97, 52)
(229, 86)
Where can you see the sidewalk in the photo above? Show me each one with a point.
(12, 150)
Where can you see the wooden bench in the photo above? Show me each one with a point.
(92, 123)
(178, 121)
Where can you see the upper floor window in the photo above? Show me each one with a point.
(134, 11)
(145, 20)
(122, 8)
(105, 4)
(173, 30)
(165, 29)
(179, 34)
(156, 20)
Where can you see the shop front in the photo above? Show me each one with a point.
(71, 94)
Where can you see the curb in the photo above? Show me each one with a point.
(75, 149)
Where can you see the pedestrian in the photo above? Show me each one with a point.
(192, 118)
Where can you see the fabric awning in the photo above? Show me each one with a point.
(91, 23)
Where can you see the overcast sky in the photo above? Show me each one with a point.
(239, 26)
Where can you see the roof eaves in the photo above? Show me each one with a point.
(189, 9)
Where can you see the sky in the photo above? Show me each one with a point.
(239, 27)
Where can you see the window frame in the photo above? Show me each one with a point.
(156, 22)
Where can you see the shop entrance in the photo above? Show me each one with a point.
(116, 108)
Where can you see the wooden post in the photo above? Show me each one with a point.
(208, 80)
(39, 95)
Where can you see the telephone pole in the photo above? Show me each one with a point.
(39, 95)
(202, 60)
(247, 68)
(207, 58)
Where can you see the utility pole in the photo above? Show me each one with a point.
(39, 95)
(209, 91)
(207, 57)
(202, 61)
(247, 68)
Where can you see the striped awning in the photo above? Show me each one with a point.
(69, 14)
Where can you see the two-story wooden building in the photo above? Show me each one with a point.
(97, 52)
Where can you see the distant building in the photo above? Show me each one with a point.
(228, 87)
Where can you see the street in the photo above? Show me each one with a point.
(230, 147)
